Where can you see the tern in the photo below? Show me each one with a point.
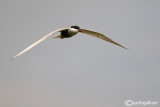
(67, 33)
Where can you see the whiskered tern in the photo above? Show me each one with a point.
(67, 33)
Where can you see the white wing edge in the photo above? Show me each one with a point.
(37, 42)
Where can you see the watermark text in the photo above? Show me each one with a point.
(130, 103)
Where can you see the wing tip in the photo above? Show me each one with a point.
(125, 48)
(13, 58)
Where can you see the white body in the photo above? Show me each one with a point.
(72, 31)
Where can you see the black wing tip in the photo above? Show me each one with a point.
(125, 48)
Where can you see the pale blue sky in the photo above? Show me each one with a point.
(81, 71)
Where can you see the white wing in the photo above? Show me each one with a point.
(37, 42)
(101, 36)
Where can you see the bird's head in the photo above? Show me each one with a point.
(77, 28)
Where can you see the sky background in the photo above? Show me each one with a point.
(81, 71)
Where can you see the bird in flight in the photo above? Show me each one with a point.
(67, 33)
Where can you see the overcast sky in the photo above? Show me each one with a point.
(81, 71)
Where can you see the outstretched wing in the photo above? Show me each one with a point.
(37, 42)
(101, 36)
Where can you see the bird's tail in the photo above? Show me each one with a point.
(59, 36)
